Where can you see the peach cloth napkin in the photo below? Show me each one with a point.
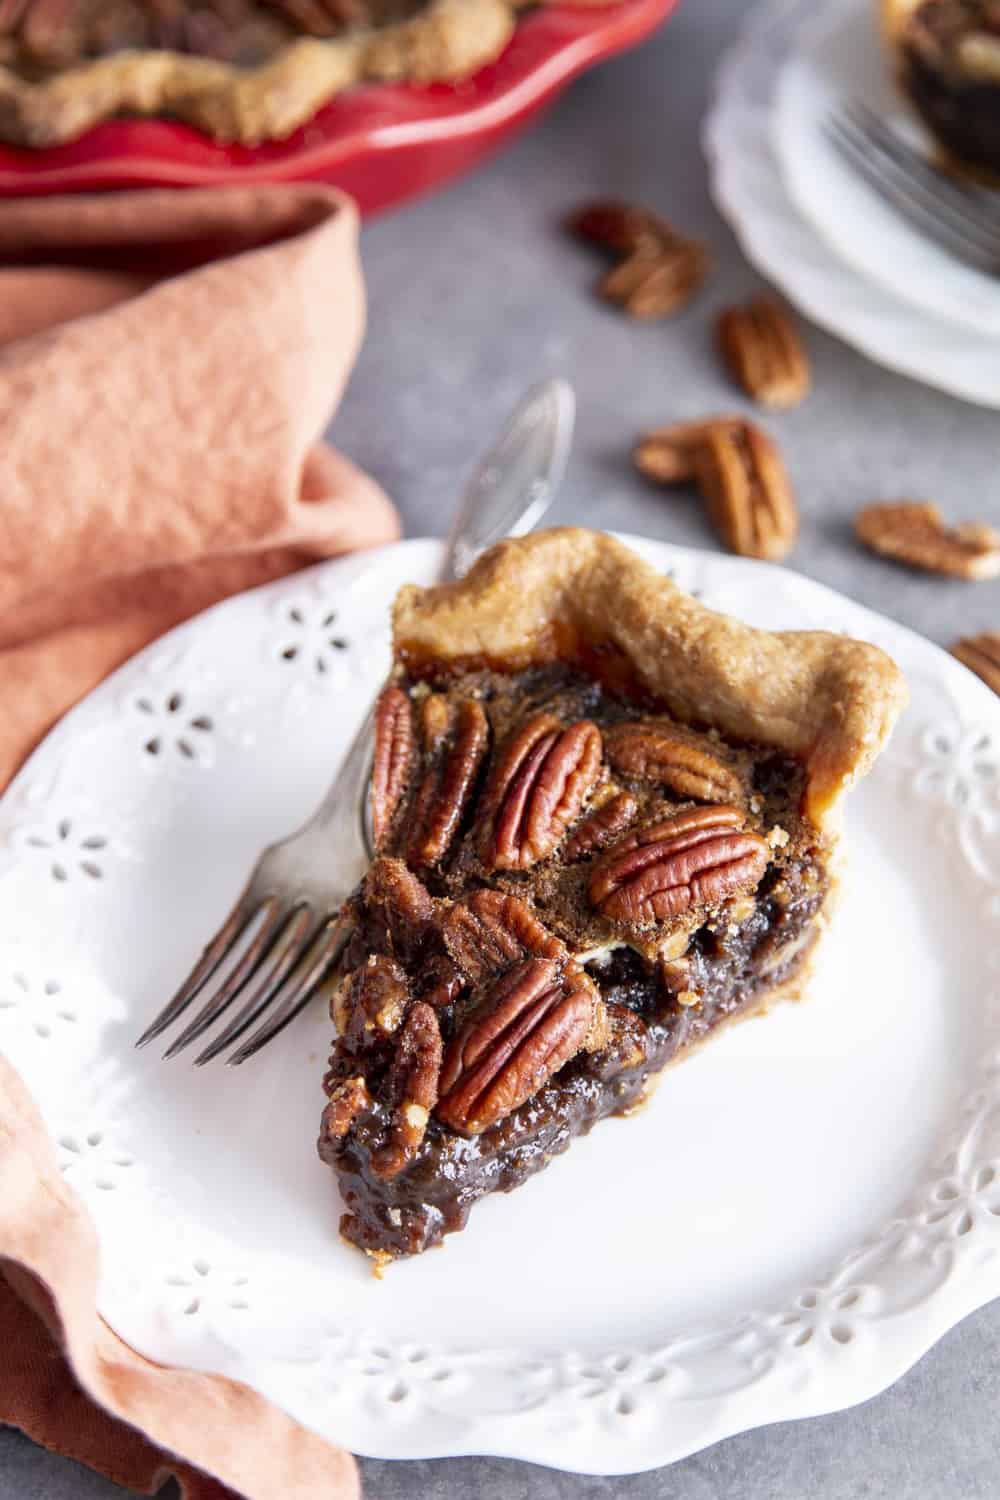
(168, 363)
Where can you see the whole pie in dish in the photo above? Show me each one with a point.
(245, 71)
(606, 822)
(948, 61)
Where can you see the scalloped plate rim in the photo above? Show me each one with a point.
(945, 286)
(785, 249)
(940, 1314)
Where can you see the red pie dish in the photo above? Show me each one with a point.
(382, 143)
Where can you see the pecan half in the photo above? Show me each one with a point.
(400, 909)
(916, 533)
(654, 752)
(627, 1043)
(455, 736)
(761, 345)
(442, 981)
(620, 227)
(541, 784)
(534, 1019)
(981, 654)
(348, 1100)
(696, 857)
(667, 454)
(601, 827)
(490, 930)
(393, 759)
(750, 503)
(653, 285)
(369, 1004)
(660, 269)
(412, 1089)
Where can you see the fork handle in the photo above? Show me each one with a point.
(349, 788)
(514, 484)
(509, 491)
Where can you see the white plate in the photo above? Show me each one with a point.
(801, 1211)
(838, 58)
(750, 191)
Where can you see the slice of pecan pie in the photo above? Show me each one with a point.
(947, 56)
(242, 70)
(605, 820)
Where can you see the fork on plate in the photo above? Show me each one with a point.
(962, 218)
(284, 935)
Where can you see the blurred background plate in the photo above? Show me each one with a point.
(837, 59)
(381, 143)
(751, 192)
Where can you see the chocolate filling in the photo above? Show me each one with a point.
(662, 989)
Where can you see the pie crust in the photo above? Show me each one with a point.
(826, 698)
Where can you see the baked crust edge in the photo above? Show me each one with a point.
(827, 698)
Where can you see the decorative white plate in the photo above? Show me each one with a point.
(836, 59)
(751, 191)
(801, 1211)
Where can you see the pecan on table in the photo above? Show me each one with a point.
(489, 930)
(653, 752)
(667, 454)
(695, 857)
(622, 228)
(393, 763)
(538, 789)
(658, 271)
(916, 533)
(761, 345)
(747, 492)
(981, 654)
(532, 1021)
(600, 827)
(412, 1089)
(455, 737)
(740, 474)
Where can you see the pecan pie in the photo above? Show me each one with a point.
(947, 55)
(605, 822)
(242, 70)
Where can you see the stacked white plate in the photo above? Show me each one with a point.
(821, 234)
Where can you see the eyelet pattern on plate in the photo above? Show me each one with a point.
(68, 993)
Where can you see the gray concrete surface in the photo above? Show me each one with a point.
(474, 294)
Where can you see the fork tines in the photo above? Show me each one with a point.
(272, 958)
(963, 220)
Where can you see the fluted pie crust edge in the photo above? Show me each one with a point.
(827, 699)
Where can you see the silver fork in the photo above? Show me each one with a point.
(963, 219)
(284, 935)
